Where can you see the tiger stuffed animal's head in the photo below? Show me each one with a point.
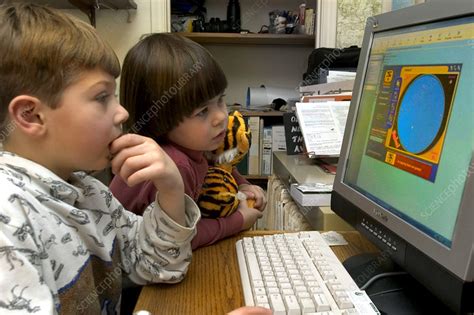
(219, 196)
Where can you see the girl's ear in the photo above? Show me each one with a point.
(26, 113)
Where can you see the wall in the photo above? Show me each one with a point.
(123, 28)
(253, 65)
(245, 66)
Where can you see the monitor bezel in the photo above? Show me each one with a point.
(460, 257)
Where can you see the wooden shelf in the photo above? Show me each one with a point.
(80, 4)
(260, 180)
(251, 39)
(256, 177)
(272, 113)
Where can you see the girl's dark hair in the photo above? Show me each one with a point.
(165, 77)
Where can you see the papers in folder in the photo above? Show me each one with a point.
(322, 125)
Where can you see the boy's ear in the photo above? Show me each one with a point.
(26, 112)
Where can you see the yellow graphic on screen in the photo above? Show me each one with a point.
(388, 76)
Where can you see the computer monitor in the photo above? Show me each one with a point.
(405, 174)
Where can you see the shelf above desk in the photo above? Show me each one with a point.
(250, 39)
(269, 113)
(89, 7)
(299, 169)
(79, 4)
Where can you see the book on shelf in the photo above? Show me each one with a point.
(278, 141)
(322, 125)
(266, 167)
(254, 151)
(278, 138)
(243, 166)
(267, 136)
(344, 96)
(309, 21)
(273, 140)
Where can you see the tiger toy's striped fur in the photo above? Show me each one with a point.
(219, 196)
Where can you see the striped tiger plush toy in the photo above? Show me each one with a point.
(219, 196)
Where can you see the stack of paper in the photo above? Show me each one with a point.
(322, 125)
(312, 195)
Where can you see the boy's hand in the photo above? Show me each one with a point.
(137, 159)
(250, 215)
(255, 192)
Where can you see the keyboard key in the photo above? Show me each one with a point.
(261, 299)
(287, 292)
(292, 305)
(273, 290)
(307, 305)
(303, 295)
(321, 302)
(253, 268)
(344, 302)
(316, 290)
(277, 304)
(259, 291)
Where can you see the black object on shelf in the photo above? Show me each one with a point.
(322, 60)
(233, 16)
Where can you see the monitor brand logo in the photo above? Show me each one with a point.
(380, 214)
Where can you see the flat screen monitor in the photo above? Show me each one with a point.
(405, 173)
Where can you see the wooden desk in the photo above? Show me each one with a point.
(212, 285)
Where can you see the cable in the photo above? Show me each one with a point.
(382, 275)
(385, 292)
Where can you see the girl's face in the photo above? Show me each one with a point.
(205, 129)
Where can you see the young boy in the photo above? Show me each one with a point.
(66, 244)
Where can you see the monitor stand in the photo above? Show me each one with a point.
(397, 292)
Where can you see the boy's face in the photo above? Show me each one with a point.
(87, 120)
(205, 129)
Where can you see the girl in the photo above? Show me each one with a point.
(174, 91)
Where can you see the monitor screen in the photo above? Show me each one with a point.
(413, 139)
(404, 173)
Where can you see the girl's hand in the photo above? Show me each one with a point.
(255, 192)
(250, 215)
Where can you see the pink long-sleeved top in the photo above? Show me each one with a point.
(193, 168)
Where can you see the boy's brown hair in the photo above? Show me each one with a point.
(43, 51)
(165, 77)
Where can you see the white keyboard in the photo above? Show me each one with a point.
(298, 273)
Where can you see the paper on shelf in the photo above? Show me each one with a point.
(338, 76)
(325, 88)
(315, 188)
(322, 125)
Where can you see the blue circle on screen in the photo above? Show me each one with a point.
(421, 113)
